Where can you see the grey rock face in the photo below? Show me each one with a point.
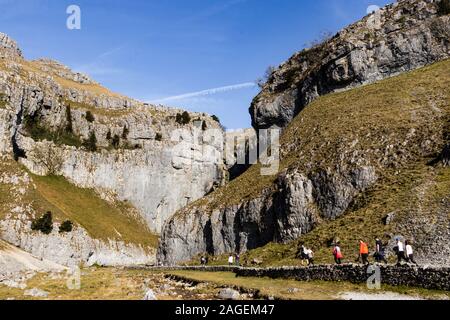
(158, 165)
(282, 215)
(54, 67)
(69, 249)
(9, 47)
(150, 295)
(398, 38)
(229, 294)
(156, 175)
(37, 293)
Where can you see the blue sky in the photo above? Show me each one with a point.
(155, 49)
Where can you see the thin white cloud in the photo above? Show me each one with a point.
(207, 92)
(100, 66)
(211, 11)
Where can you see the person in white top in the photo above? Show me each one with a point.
(230, 260)
(409, 253)
(310, 256)
(400, 252)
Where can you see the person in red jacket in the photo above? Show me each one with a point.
(337, 254)
(363, 252)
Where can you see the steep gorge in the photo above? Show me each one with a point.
(55, 122)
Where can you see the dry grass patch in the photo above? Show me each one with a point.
(297, 290)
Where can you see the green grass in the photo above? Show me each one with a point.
(101, 219)
(123, 284)
(314, 290)
(96, 284)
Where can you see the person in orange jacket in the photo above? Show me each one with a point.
(363, 252)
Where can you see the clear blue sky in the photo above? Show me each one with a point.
(154, 49)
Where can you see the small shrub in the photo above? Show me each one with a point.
(215, 118)
(158, 137)
(43, 224)
(66, 226)
(39, 132)
(69, 128)
(265, 78)
(183, 118)
(91, 143)
(108, 135)
(115, 141)
(444, 7)
(204, 125)
(89, 116)
(125, 132)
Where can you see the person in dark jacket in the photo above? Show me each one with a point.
(379, 251)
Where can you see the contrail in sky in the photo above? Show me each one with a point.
(208, 92)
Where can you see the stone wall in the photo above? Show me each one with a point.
(424, 277)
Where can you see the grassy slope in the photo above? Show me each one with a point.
(360, 123)
(101, 219)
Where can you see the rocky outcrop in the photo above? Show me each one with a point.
(292, 208)
(9, 47)
(400, 37)
(156, 164)
(60, 122)
(13, 262)
(73, 248)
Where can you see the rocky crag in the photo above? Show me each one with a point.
(357, 163)
(61, 123)
(399, 37)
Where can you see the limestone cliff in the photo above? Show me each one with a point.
(57, 122)
(400, 37)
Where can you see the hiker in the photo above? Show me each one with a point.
(409, 253)
(309, 256)
(400, 251)
(363, 252)
(379, 251)
(230, 260)
(238, 258)
(337, 254)
(301, 254)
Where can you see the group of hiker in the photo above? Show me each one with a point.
(404, 252)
